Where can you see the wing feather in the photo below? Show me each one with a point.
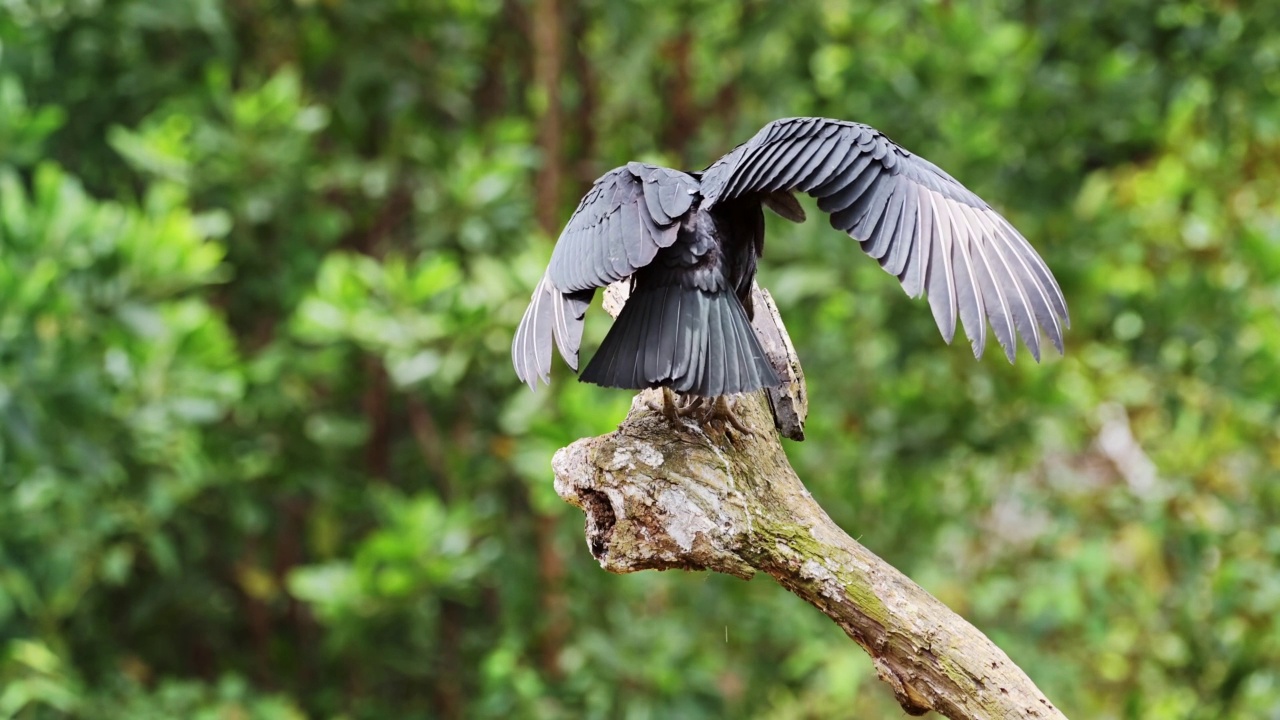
(788, 164)
(867, 210)
(968, 296)
(849, 184)
(937, 237)
(839, 157)
(806, 159)
(1019, 300)
(894, 261)
(620, 224)
(885, 233)
(551, 314)
(913, 275)
(653, 203)
(941, 282)
(999, 312)
(763, 163)
(1041, 306)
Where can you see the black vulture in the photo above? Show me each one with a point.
(689, 242)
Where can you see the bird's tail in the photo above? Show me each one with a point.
(692, 341)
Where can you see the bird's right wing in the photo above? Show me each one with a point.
(936, 236)
(627, 216)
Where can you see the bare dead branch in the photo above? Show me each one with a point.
(661, 497)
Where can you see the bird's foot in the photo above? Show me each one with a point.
(669, 408)
(716, 414)
(723, 412)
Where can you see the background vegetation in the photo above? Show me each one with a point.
(262, 454)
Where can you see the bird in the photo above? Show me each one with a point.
(688, 244)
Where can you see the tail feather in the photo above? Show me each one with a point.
(734, 342)
(692, 341)
(718, 350)
(668, 343)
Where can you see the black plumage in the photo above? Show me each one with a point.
(689, 242)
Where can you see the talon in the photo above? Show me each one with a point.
(691, 405)
(717, 414)
(724, 409)
(669, 409)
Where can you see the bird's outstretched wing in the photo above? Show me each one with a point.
(620, 224)
(923, 226)
(624, 219)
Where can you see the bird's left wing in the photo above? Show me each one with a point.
(624, 219)
(619, 226)
(923, 226)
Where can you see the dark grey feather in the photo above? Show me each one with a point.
(653, 202)
(1037, 294)
(994, 294)
(682, 355)
(868, 208)
(803, 162)
(895, 261)
(607, 239)
(785, 205)
(840, 156)
(669, 338)
(968, 296)
(784, 166)
(732, 354)
(653, 357)
(1019, 301)
(848, 185)
(677, 197)
(940, 285)
(993, 300)
(643, 318)
(886, 228)
(697, 352)
(913, 276)
(1038, 267)
(713, 374)
(531, 347)
(570, 310)
(756, 174)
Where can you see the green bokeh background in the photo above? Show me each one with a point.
(262, 454)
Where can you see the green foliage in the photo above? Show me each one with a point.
(262, 453)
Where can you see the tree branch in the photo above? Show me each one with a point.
(662, 497)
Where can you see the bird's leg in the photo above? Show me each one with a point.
(723, 410)
(670, 409)
(691, 405)
(716, 413)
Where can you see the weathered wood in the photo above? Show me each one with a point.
(662, 497)
(789, 401)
